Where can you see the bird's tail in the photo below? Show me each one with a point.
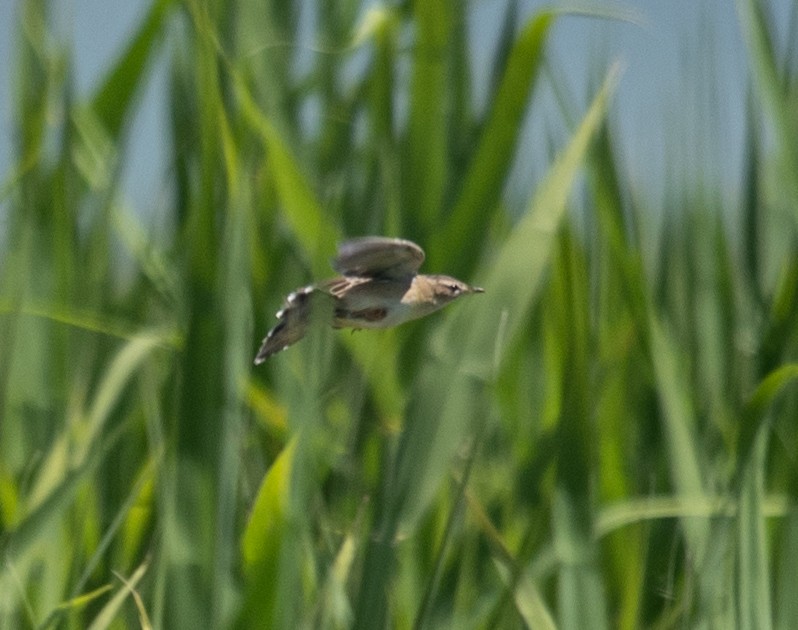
(300, 309)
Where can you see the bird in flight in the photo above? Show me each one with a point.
(379, 287)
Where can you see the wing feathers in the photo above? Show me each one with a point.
(378, 257)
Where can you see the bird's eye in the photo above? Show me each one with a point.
(454, 289)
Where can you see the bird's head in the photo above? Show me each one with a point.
(446, 288)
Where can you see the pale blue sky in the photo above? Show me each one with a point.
(666, 102)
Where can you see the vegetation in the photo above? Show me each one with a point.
(606, 438)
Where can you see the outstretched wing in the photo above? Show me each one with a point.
(301, 308)
(378, 257)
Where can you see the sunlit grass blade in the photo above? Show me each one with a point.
(18, 544)
(269, 549)
(679, 425)
(490, 163)
(76, 603)
(311, 228)
(513, 278)
(336, 609)
(466, 347)
(753, 568)
(115, 98)
(120, 372)
(107, 615)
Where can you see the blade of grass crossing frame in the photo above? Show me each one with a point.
(709, 543)
(116, 95)
(579, 578)
(269, 550)
(513, 279)
(109, 612)
(770, 87)
(679, 427)
(427, 125)
(236, 310)
(490, 163)
(313, 231)
(753, 568)
(757, 410)
(620, 269)
(786, 606)
(466, 346)
(190, 485)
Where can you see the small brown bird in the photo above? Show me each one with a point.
(379, 287)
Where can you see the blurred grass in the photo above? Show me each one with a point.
(598, 441)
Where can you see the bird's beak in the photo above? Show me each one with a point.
(477, 290)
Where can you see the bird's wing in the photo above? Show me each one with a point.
(301, 309)
(378, 257)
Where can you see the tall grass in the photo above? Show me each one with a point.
(606, 438)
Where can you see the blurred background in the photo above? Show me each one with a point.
(685, 64)
(606, 438)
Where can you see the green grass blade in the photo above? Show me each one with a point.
(513, 278)
(312, 230)
(107, 616)
(756, 411)
(754, 570)
(427, 134)
(471, 343)
(268, 549)
(770, 89)
(122, 369)
(527, 597)
(236, 300)
(680, 431)
(786, 608)
(490, 163)
(116, 96)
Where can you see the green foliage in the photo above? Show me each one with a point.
(604, 439)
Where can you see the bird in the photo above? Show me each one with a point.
(378, 287)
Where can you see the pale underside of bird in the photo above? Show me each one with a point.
(379, 287)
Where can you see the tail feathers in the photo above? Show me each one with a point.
(295, 318)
